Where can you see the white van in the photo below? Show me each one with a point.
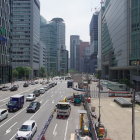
(3, 114)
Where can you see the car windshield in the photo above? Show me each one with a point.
(36, 91)
(25, 128)
(12, 103)
(32, 104)
(29, 95)
(62, 106)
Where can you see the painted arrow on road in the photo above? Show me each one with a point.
(9, 130)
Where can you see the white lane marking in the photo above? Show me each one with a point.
(54, 131)
(13, 136)
(12, 117)
(3, 101)
(2, 105)
(53, 102)
(9, 130)
(66, 130)
(37, 111)
(41, 101)
(20, 93)
(52, 95)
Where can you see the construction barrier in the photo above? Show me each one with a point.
(91, 122)
(42, 134)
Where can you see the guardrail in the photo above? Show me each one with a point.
(91, 122)
(41, 136)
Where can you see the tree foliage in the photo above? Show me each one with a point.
(14, 74)
(42, 72)
(23, 72)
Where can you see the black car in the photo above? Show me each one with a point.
(14, 88)
(33, 107)
(36, 92)
(25, 85)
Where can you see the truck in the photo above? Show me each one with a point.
(16, 102)
(70, 83)
(63, 109)
(77, 99)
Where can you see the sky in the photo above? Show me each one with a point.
(76, 14)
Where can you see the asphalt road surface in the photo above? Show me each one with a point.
(58, 129)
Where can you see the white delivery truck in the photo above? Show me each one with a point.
(63, 109)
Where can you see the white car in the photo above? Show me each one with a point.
(42, 90)
(30, 97)
(27, 130)
(3, 114)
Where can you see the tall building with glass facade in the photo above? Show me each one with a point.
(120, 40)
(25, 27)
(115, 39)
(74, 52)
(134, 59)
(49, 37)
(5, 65)
(52, 34)
(93, 42)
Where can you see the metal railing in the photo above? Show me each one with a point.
(42, 134)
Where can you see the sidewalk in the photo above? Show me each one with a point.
(117, 120)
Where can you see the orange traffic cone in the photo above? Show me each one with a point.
(43, 138)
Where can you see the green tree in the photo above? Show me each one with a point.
(27, 72)
(21, 72)
(14, 74)
(42, 72)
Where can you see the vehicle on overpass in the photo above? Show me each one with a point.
(16, 102)
(63, 109)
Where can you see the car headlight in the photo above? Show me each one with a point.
(16, 135)
(28, 135)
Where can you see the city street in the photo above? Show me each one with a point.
(58, 127)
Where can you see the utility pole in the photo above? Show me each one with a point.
(133, 114)
(99, 72)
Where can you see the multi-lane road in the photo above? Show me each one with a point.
(57, 130)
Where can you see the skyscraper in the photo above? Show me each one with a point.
(74, 51)
(53, 36)
(25, 17)
(93, 42)
(115, 40)
(5, 65)
(49, 37)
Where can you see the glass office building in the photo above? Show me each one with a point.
(48, 37)
(121, 40)
(25, 26)
(115, 39)
(134, 59)
(5, 65)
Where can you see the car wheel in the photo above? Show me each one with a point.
(31, 137)
(36, 130)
